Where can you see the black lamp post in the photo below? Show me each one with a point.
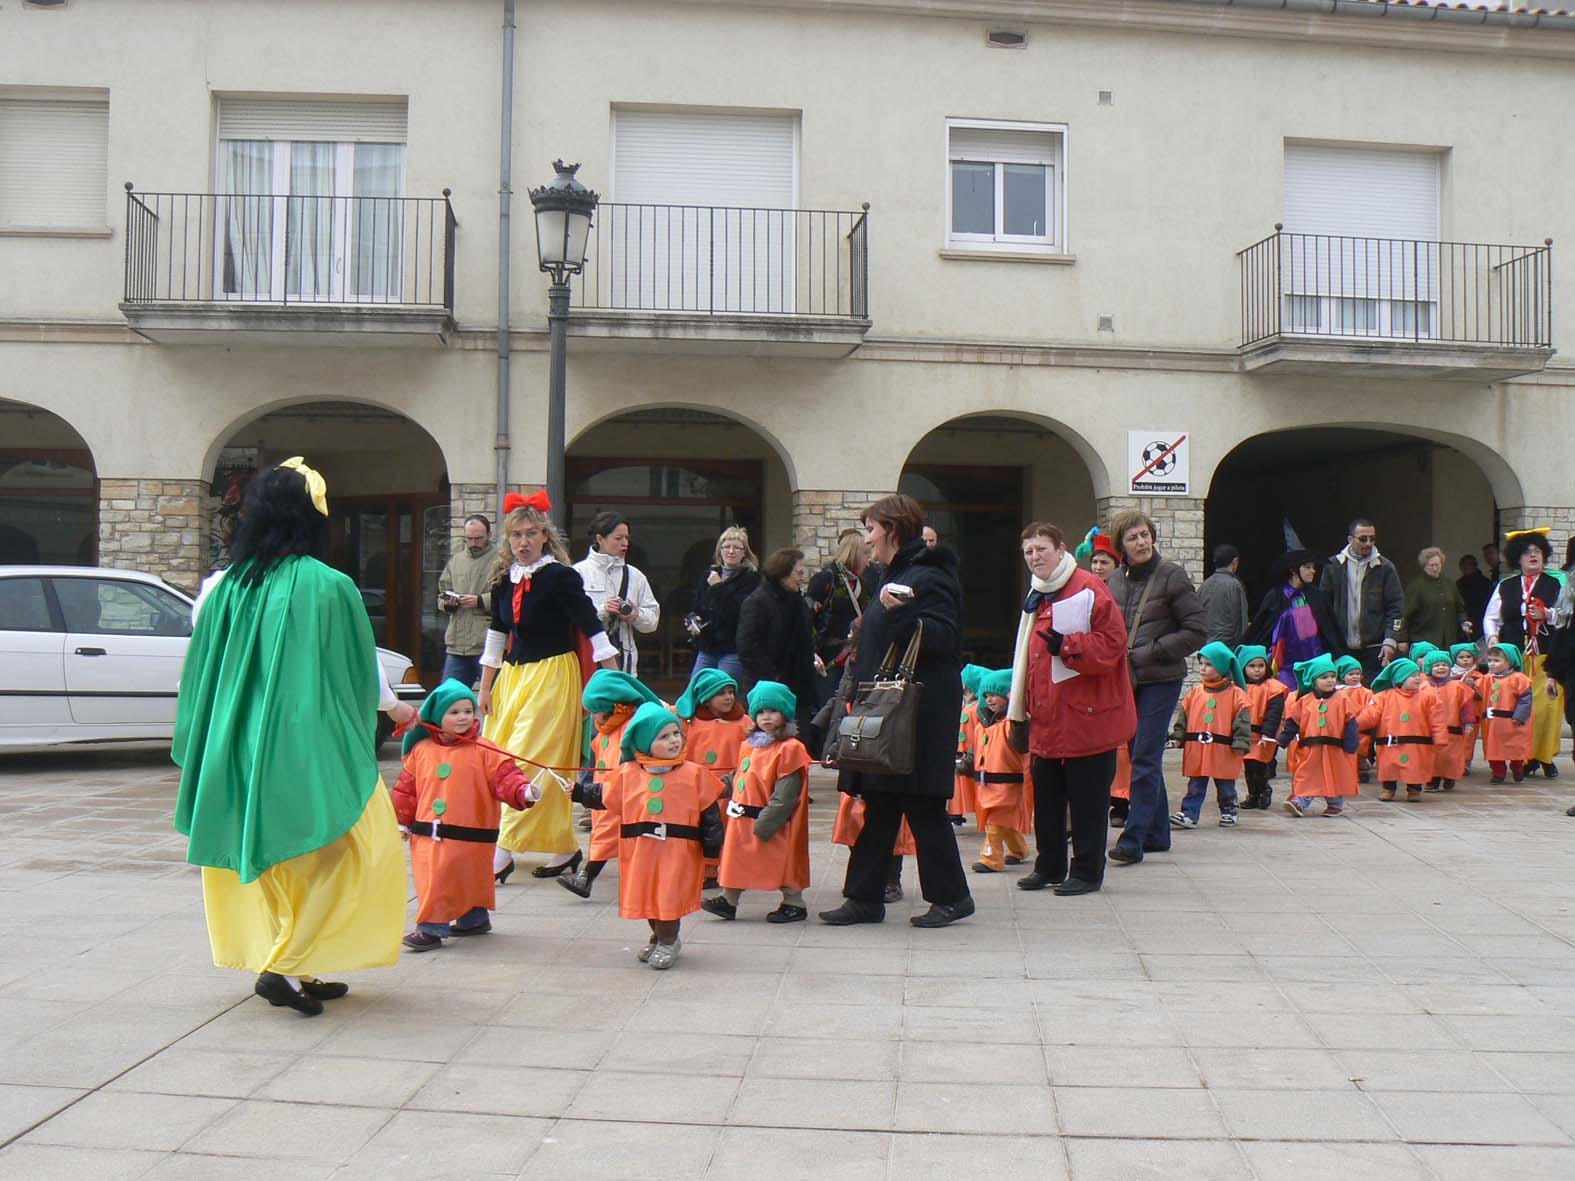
(563, 230)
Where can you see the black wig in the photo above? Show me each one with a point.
(277, 522)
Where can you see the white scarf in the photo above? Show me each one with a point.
(517, 572)
(1016, 710)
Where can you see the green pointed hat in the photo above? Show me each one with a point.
(1223, 659)
(996, 683)
(433, 708)
(1511, 653)
(1435, 658)
(1456, 649)
(972, 674)
(707, 683)
(609, 687)
(1308, 671)
(649, 720)
(1396, 673)
(1345, 664)
(773, 695)
(1421, 650)
(1247, 653)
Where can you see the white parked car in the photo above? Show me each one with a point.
(93, 655)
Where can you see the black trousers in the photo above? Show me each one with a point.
(1083, 786)
(941, 878)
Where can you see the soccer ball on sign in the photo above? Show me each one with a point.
(1152, 452)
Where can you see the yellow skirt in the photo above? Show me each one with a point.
(1547, 713)
(536, 714)
(336, 909)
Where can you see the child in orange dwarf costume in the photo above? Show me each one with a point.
(1320, 732)
(448, 799)
(1349, 671)
(1459, 706)
(1464, 669)
(1266, 697)
(717, 728)
(965, 791)
(667, 814)
(1003, 811)
(1504, 703)
(767, 845)
(1214, 731)
(610, 697)
(1408, 727)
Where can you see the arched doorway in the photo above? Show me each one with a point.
(1313, 480)
(389, 508)
(681, 475)
(48, 489)
(981, 478)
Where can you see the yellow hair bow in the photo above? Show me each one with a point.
(1541, 530)
(316, 486)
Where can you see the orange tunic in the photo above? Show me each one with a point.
(1215, 710)
(604, 761)
(660, 879)
(1317, 761)
(714, 743)
(1264, 746)
(1459, 705)
(1503, 738)
(1408, 729)
(850, 822)
(1362, 697)
(1002, 797)
(965, 792)
(781, 860)
(454, 783)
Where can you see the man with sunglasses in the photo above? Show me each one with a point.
(1364, 589)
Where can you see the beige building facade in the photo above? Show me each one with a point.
(1246, 266)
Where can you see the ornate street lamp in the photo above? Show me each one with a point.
(563, 229)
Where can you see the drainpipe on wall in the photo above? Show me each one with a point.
(505, 198)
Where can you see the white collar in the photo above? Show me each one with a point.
(605, 561)
(518, 572)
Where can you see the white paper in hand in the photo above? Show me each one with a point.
(1070, 616)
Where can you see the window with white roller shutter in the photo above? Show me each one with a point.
(1005, 185)
(54, 162)
(701, 215)
(1358, 254)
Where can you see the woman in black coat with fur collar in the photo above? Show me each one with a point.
(919, 585)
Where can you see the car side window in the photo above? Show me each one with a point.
(23, 607)
(104, 606)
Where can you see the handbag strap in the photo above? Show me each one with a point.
(1137, 616)
(910, 658)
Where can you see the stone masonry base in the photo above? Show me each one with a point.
(154, 525)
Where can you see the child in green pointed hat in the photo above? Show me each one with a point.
(1266, 695)
(1408, 728)
(1000, 795)
(447, 799)
(667, 813)
(1458, 704)
(1463, 661)
(1309, 671)
(717, 726)
(703, 689)
(965, 785)
(1321, 737)
(1213, 729)
(1507, 698)
(767, 845)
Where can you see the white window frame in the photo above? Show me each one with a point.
(1052, 243)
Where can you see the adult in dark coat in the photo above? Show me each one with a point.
(919, 586)
(776, 639)
(713, 622)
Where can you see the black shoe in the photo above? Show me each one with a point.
(1570, 811)
(276, 990)
(1266, 802)
(554, 871)
(853, 911)
(1550, 771)
(893, 892)
(958, 821)
(576, 883)
(1012, 859)
(324, 990)
(941, 916)
(981, 867)
(1519, 776)
(1034, 880)
(719, 906)
(502, 875)
(482, 928)
(787, 914)
(1077, 886)
(1124, 856)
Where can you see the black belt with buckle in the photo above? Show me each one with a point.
(749, 810)
(661, 830)
(1001, 777)
(1405, 740)
(1323, 742)
(439, 830)
(1208, 738)
(1457, 729)
(1500, 713)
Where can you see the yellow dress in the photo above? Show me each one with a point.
(1547, 713)
(335, 909)
(536, 714)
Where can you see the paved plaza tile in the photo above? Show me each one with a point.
(1389, 995)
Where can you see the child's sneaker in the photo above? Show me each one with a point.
(664, 955)
(421, 941)
(1328, 811)
(1182, 820)
(1227, 820)
(1295, 808)
(1412, 794)
(1388, 793)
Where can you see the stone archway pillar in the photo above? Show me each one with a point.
(154, 525)
(1179, 520)
(1561, 520)
(820, 514)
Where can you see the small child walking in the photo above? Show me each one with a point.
(717, 728)
(1467, 669)
(1320, 732)
(1266, 696)
(1504, 703)
(448, 798)
(1408, 728)
(1350, 680)
(1459, 706)
(610, 697)
(667, 815)
(1004, 813)
(965, 787)
(1214, 731)
(767, 845)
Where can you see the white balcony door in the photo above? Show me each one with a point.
(701, 215)
(1357, 258)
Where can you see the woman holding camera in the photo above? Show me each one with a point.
(731, 578)
(620, 593)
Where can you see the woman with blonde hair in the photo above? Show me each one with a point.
(838, 595)
(530, 678)
(1434, 610)
(729, 580)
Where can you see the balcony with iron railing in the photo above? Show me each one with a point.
(294, 269)
(713, 278)
(1395, 307)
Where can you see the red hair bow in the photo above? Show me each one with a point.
(537, 500)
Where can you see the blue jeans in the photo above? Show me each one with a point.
(1148, 812)
(476, 916)
(728, 662)
(464, 669)
(1198, 790)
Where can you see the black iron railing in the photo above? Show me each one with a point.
(736, 261)
(263, 248)
(1396, 289)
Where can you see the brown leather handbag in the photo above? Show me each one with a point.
(880, 733)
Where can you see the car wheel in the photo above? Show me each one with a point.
(385, 728)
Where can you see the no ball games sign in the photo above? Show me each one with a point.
(1158, 463)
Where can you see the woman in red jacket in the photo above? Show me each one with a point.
(1072, 702)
